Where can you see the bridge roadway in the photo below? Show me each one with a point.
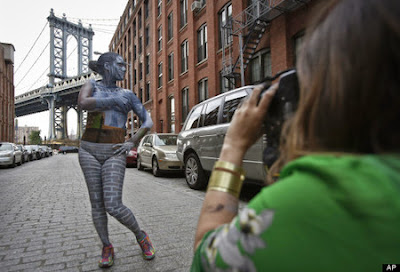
(66, 94)
(58, 99)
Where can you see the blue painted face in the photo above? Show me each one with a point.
(118, 68)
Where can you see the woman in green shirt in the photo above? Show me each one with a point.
(336, 206)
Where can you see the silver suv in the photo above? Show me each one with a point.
(200, 141)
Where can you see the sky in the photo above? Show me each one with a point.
(23, 23)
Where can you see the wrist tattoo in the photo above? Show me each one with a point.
(219, 207)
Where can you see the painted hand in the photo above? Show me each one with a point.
(123, 148)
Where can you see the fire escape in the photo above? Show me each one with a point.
(249, 26)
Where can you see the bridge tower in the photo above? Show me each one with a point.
(60, 29)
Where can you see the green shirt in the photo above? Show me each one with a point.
(326, 213)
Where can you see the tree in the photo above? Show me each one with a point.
(34, 137)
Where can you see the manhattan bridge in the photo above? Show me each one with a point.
(61, 92)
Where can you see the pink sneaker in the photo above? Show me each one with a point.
(107, 257)
(147, 247)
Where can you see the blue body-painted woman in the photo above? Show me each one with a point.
(103, 149)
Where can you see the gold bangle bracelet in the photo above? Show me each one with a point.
(225, 182)
(229, 166)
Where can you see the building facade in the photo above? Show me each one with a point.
(183, 52)
(7, 112)
(22, 134)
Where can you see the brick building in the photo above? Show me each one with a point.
(181, 55)
(7, 111)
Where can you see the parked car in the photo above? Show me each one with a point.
(44, 150)
(158, 151)
(131, 158)
(33, 152)
(200, 141)
(38, 151)
(10, 155)
(68, 149)
(49, 150)
(25, 153)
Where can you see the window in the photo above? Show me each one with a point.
(224, 17)
(147, 96)
(141, 95)
(134, 77)
(203, 89)
(171, 66)
(297, 40)
(171, 117)
(260, 66)
(140, 71)
(202, 43)
(225, 83)
(194, 118)
(146, 36)
(159, 7)
(134, 52)
(147, 63)
(159, 38)
(159, 75)
(185, 103)
(170, 26)
(140, 19)
(184, 11)
(140, 45)
(146, 9)
(184, 56)
(134, 28)
(231, 103)
(211, 114)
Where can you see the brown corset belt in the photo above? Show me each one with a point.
(106, 135)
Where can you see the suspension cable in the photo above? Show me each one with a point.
(19, 66)
(32, 65)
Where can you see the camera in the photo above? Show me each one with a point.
(282, 106)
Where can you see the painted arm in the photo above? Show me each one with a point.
(220, 207)
(144, 116)
(147, 123)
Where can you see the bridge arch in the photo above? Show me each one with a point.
(60, 29)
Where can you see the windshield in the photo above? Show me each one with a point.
(6, 147)
(165, 140)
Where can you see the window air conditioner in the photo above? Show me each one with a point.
(196, 5)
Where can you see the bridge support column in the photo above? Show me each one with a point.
(60, 120)
(79, 124)
(51, 101)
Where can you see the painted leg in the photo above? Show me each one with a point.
(113, 173)
(113, 179)
(92, 171)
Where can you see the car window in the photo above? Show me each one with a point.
(150, 140)
(232, 101)
(211, 114)
(6, 147)
(161, 140)
(194, 118)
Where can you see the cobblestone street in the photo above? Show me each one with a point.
(45, 219)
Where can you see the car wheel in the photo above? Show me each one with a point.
(156, 169)
(13, 163)
(194, 173)
(139, 164)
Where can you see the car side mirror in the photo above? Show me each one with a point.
(147, 144)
